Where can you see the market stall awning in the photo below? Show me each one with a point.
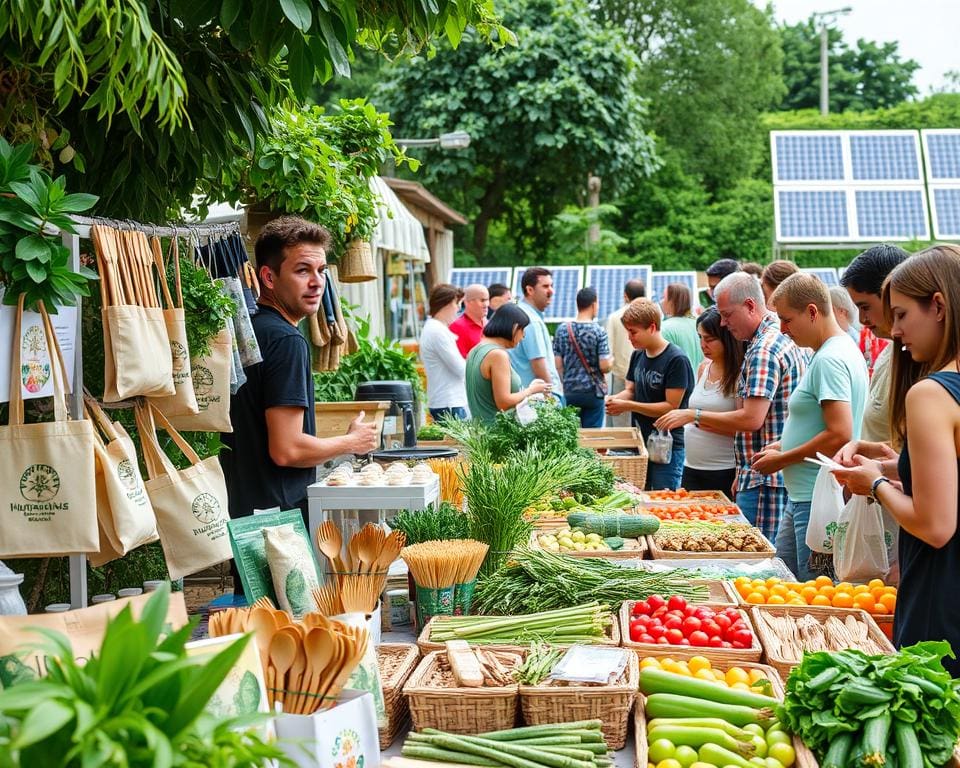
(398, 231)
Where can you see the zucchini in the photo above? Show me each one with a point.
(614, 524)
(614, 542)
(908, 746)
(697, 737)
(714, 754)
(876, 733)
(838, 753)
(670, 705)
(658, 681)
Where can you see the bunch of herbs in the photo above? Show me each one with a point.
(435, 522)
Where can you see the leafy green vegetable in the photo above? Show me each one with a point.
(431, 432)
(441, 522)
(206, 308)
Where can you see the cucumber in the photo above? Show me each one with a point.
(614, 524)
(670, 705)
(908, 746)
(614, 542)
(657, 681)
(839, 752)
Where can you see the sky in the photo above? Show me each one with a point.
(925, 29)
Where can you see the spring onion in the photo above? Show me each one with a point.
(580, 624)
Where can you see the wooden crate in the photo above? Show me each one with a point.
(635, 549)
(782, 665)
(333, 419)
(694, 497)
(633, 468)
(667, 554)
(727, 655)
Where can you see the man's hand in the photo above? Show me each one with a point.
(364, 434)
(769, 460)
(679, 417)
(616, 406)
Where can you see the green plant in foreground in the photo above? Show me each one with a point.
(139, 702)
(207, 308)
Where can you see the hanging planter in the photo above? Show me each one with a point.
(357, 264)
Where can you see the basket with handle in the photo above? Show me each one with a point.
(357, 264)
(632, 467)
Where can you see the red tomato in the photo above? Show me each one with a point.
(703, 614)
(690, 624)
(725, 644)
(662, 641)
(711, 628)
(641, 608)
(673, 622)
(656, 630)
(699, 639)
(689, 610)
(744, 636)
(661, 611)
(645, 638)
(722, 621)
(738, 644)
(641, 620)
(676, 603)
(684, 642)
(656, 601)
(715, 642)
(733, 614)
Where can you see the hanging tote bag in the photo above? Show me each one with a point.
(135, 344)
(210, 375)
(123, 508)
(190, 504)
(183, 401)
(47, 488)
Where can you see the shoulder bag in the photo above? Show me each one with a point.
(599, 382)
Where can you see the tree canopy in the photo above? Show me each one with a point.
(869, 75)
(542, 116)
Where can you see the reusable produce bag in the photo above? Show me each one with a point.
(183, 401)
(860, 545)
(135, 344)
(190, 504)
(825, 508)
(47, 488)
(124, 511)
(660, 447)
(292, 567)
(210, 377)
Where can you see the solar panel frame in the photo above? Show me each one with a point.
(828, 275)
(845, 218)
(567, 280)
(945, 211)
(780, 152)
(661, 280)
(464, 276)
(941, 169)
(608, 280)
(882, 197)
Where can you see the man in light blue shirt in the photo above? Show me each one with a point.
(533, 358)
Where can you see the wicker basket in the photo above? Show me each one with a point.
(633, 469)
(426, 645)
(459, 710)
(666, 554)
(356, 263)
(633, 549)
(612, 704)
(805, 758)
(726, 655)
(782, 665)
(397, 662)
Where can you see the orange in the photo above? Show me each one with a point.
(779, 589)
(773, 580)
(823, 581)
(796, 601)
(860, 588)
(879, 609)
(650, 662)
(820, 600)
(776, 600)
(828, 592)
(877, 592)
(888, 601)
(762, 590)
(863, 600)
(842, 600)
(741, 579)
(808, 593)
(756, 674)
(889, 590)
(874, 583)
(844, 586)
(755, 598)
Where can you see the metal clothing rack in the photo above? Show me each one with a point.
(78, 563)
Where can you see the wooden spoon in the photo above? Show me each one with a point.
(265, 627)
(283, 652)
(321, 647)
(296, 679)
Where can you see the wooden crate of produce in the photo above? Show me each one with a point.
(729, 655)
(683, 496)
(804, 757)
(612, 637)
(632, 548)
(632, 468)
(437, 702)
(705, 510)
(659, 553)
(397, 662)
(557, 703)
(876, 641)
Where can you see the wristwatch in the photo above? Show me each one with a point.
(876, 484)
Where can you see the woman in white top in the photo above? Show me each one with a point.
(709, 463)
(442, 361)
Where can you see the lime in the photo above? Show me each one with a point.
(760, 745)
(685, 755)
(661, 749)
(784, 753)
(669, 763)
(778, 737)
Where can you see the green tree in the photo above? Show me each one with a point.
(868, 76)
(542, 116)
(140, 94)
(571, 241)
(710, 68)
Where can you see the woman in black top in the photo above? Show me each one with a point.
(922, 297)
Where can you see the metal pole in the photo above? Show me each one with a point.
(824, 71)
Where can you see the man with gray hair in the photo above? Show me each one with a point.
(468, 328)
(772, 366)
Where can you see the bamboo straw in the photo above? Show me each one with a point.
(440, 564)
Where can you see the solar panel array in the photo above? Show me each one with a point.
(848, 186)
(566, 282)
(941, 147)
(662, 279)
(609, 281)
(464, 276)
(828, 275)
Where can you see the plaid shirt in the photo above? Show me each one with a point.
(772, 367)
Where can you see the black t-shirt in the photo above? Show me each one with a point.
(652, 377)
(283, 378)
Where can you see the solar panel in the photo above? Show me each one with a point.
(942, 150)
(827, 274)
(464, 276)
(609, 281)
(885, 156)
(566, 282)
(893, 214)
(807, 156)
(811, 214)
(662, 279)
(946, 212)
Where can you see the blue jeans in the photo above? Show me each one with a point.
(749, 502)
(792, 540)
(666, 476)
(456, 413)
(591, 408)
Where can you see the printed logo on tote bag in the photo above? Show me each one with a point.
(202, 381)
(206, 508)
(180, 358)
(39, 485)
(35, 368)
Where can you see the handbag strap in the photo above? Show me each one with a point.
(576, 346)
(175, 255)
(101, 422)
(57, 367)
(157, 462)
(157, 253)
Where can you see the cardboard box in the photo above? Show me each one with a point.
(344, 736)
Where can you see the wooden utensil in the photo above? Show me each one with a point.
(319, 649)
(283, 652)
(296, 679)
(265, 627)
(330, 543)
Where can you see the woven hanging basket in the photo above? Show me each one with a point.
(357, 264)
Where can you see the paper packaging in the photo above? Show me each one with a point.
(84, 627)
(345, 735)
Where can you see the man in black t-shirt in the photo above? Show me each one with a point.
(659, 379)
(272, 454)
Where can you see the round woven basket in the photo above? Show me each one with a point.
(357, 264)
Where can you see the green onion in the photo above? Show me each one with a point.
(584, 623)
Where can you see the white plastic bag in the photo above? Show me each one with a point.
(660, 447)
(860, 545)
(825, 509)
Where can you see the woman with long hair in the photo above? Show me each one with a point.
(492, 384)
(678, 324)
(921, 486)
(709, 461)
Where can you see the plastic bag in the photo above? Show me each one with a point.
(660, 447)
(859, 544)
(825, 509)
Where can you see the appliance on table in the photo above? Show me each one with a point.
(399, 425)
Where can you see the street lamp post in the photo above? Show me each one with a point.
(825, 17)
(455, 140)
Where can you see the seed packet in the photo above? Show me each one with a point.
(292, 567)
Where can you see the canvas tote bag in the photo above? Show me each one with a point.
(47, 488)
(124, 512)
(182, 402)
(190, 504)
(210, 375)
(135, 344)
